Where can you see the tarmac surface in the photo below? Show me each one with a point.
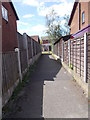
(51, 93)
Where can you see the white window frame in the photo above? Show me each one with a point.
(4, 13)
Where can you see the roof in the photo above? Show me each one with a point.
(14, 10)
(65, 38)
(36, 38)
(73, 11)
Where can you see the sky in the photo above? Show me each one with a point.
(32, 14)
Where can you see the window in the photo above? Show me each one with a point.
(4, 13)
(83, 17)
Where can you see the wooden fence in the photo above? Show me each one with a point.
(15, 63)
(9, 70)
(73, 55)
(88, 60)
(66, 53)
(77, 56)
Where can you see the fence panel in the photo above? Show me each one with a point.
(10, 70)
(88, 60)
(55, 49)
(60, 49)
(77, 55)
(29, 47)
(66, 53)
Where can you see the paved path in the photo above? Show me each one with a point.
(51, 93)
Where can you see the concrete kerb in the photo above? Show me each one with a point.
(75, 76)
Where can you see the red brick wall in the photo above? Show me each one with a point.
(75, 21)
(0, 30)
(9, 30)
(45, 41)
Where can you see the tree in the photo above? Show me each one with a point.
(53, 26)
(66, 26)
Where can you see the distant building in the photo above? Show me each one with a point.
(79, 21)
(46, 44)
(36, 38)
(9, 27)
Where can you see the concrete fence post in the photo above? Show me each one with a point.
(62, 51)
(35, 48)
(85, 57)
(32, 47)
(19, 63)
(25, 41)
(69, 51)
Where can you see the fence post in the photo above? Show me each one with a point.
(19, 63)
(35, 48)
(32, 47)
(69, 48)
(62, 52)
(25, 41)
(85, 57)
(0, 62)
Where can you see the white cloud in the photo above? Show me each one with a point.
(61, 9)
(38, 28)
(33, 3)
(22, 23)
(28, 16)
(33, 30)
(57, 1)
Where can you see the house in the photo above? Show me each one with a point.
(46, 44)
(0, 30)
(79, 21)
(36, 38)
(9, 27)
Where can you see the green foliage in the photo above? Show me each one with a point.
(53, 26)
(71, 66)
(66, 29)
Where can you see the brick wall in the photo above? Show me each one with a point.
(89, 13)
(85, 6)
(9, 30)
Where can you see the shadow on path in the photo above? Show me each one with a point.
(30, 101)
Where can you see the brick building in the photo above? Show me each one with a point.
(9, 27)
(46, 44)
(80, 18)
